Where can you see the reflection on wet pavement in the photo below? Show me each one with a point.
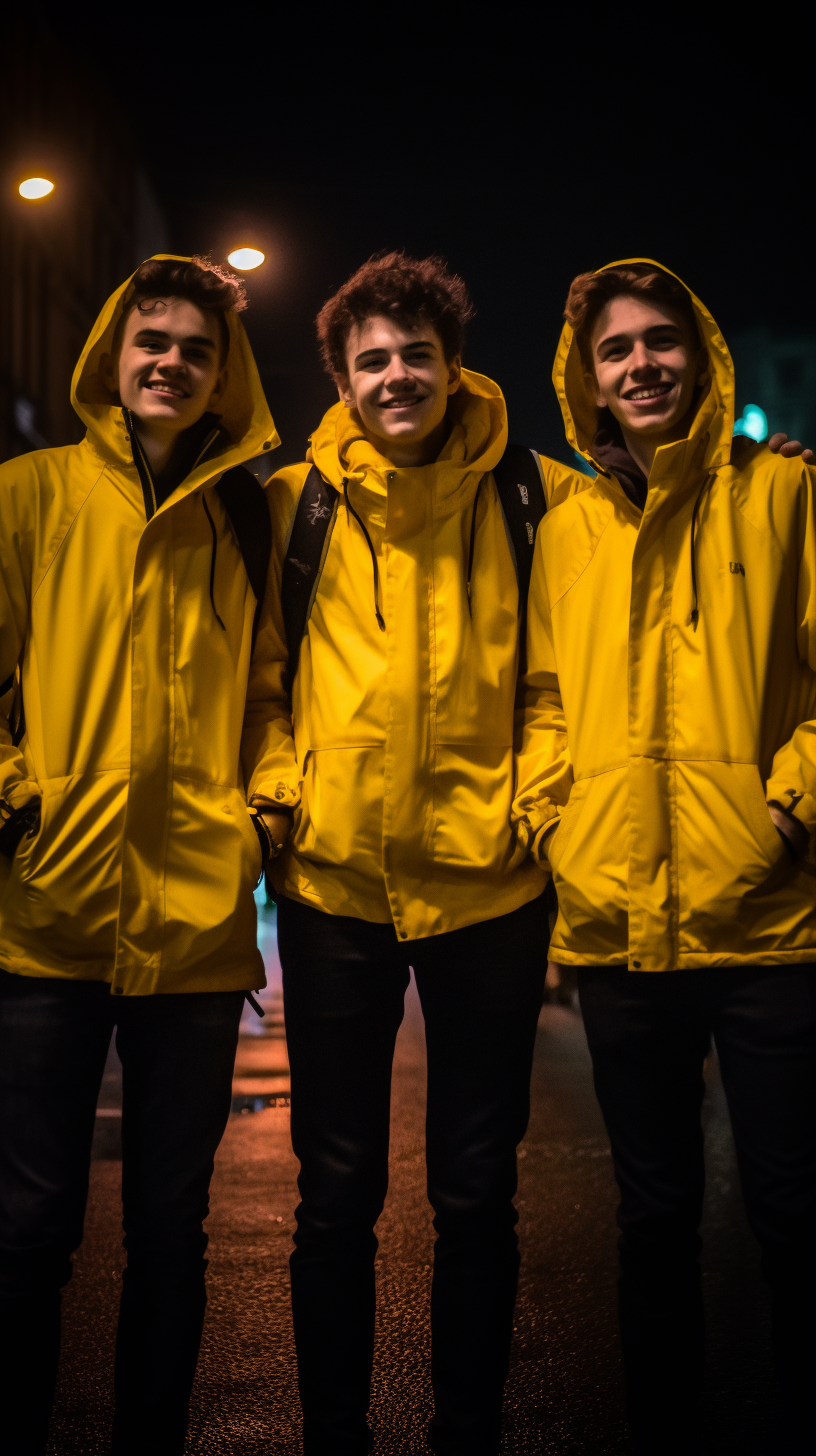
(261, 1064)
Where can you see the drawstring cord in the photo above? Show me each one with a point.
(695, 610)
(472, 542)
(361, 524)
(212, 563)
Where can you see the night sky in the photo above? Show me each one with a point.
(516, 156)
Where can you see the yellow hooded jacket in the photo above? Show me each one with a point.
(659, 746)
(143, 868)
(400, 766)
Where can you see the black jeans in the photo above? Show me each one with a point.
(648, 1035)
(177, 1056)
(481, 990)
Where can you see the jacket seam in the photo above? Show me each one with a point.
(56, 548)
(585, 567)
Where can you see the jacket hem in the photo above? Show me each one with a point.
(484, 907)
(241, 977)
(691, 962)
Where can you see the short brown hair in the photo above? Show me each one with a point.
(201, 282)
(402, 288)
(590, 292)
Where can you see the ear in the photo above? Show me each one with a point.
(454, 374)
(109, 372)
(344, 390)
(218, 389)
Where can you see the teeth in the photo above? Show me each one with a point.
(650, 393)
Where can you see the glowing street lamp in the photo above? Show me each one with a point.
(245, 259)
(34, 188)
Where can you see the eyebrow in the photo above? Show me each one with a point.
(653, 328)
(371, 353)
(160, 334)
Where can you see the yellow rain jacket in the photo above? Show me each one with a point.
(400, 767)
(658, 746)
(143, 869)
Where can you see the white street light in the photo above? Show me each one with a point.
(245, 259)
(35, 187)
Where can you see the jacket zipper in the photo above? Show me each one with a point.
(142, 467)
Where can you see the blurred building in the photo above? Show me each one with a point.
(777, 373)
(62, 256)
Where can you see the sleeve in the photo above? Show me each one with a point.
(271, 769)
(543, 765)
(792, 781)
(17, 531)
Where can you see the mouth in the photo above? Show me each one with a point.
(402, 404)
(645, 393)
(168, 391)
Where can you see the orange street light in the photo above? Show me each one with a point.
(245, 259)
(35, 187)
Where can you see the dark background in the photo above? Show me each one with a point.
(521, 146)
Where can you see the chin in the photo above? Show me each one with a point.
(162, 413)
(650, 427)
(409, 433)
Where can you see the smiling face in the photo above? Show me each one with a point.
(168, 369)
(399, 382)
(647, 364)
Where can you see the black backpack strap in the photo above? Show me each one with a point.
(520, 483)
(244, 500)
(305, 555)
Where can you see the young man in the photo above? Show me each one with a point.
(668, 777)
(128, 855)
(393, 761)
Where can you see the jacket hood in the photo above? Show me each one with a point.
(243, 411)
(476, 442)
(713, 423)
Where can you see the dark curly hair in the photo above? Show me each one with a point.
(406, 289)
(203, 283)
(590, 292)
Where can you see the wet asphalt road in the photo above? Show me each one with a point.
(564, 1390)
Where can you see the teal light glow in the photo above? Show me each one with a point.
(753, 422)
(583, 465)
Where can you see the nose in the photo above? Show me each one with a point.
(397, 373)
(172, 360)
(641, 360)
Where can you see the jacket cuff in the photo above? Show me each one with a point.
(17, 792)
(800, 806)
(541, 840)
(276, 794)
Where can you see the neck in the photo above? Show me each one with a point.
(158, 446)
(642, 448)
(406, 453)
